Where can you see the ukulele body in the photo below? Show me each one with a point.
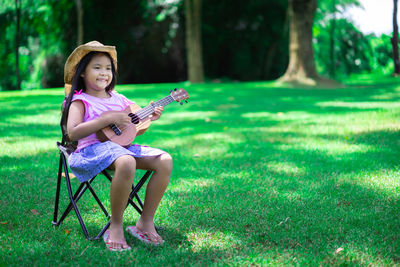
(128, 131)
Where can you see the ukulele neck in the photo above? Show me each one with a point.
(147, 111)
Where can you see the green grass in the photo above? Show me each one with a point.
(263, 174)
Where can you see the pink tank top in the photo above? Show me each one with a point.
(94, 107)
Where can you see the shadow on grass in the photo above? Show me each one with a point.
(315, 212)
(247, 188)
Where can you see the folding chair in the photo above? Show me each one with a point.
(63, 171)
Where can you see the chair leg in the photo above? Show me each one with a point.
(132, 195)
(133, 204)
(55, 223)
(79, 192)
(138, 187)
(101, 233)
(78, 215)
(98, 200)
(134, 191)
(74, 198)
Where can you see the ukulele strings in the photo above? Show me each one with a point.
(147, 111)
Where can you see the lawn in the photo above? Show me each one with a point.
(263, 174)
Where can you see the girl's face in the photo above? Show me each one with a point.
(98, 74)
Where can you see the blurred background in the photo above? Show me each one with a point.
(158, 41)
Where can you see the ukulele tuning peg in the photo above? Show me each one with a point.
(186, 101)
(170, 91)
(175, 89)
(181, 103)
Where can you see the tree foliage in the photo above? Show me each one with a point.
(352, 49)
(39, 40)
(353, 52)
(241, 40)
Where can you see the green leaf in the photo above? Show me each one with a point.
(161, 16)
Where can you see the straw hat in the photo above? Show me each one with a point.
(79, 53)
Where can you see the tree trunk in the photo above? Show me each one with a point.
(301, 68)
(17, 41)
(395, 41)
(79, 11)
(332, 41)
(193, 41)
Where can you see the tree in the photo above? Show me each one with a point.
(79, 11)
(332, 40)
(301, 68)
(193, 41)
(17, 41)
(395, 40)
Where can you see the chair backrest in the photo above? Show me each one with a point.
(71, 145)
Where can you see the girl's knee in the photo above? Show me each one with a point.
(126, 164)
(166, 162)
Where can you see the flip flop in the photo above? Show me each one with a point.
(108, 242)
(145, 237)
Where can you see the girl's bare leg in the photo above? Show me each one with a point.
(121, 184)
(162, 167)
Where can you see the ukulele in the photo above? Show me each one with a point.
(140, 119)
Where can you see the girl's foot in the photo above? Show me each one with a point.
(115, 245)
(146, 237)
(147, 227)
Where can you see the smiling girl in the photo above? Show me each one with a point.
(90, 75)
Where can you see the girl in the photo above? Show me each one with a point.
(89, 74)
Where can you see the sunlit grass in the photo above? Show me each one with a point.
(263, 175)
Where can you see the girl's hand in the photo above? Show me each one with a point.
(116, 117)
(157, 112)
(78, 129)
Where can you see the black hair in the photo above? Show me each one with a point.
(79, 84)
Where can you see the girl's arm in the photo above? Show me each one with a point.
(77, 129)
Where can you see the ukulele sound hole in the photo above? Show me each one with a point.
(134, 118)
